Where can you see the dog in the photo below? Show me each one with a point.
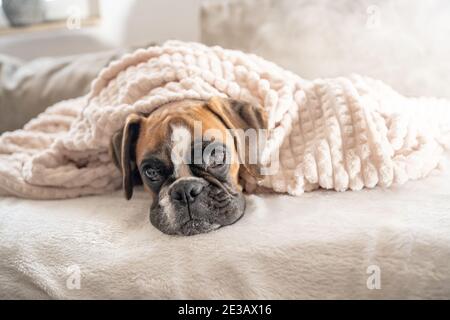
(195, 180)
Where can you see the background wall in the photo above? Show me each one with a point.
(137, 22)
(123, 23)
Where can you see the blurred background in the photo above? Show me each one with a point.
(51, 49)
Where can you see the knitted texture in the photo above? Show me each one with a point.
(344, 133)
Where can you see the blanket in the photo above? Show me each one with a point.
(344, 133)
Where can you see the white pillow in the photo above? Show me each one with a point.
(28, 88)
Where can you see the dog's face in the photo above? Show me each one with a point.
(190, 161)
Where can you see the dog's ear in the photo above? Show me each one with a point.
(122, 150)
(115, 148)
(238, 115)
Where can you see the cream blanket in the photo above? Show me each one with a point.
(344, 133)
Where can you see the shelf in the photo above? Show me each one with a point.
(47, 26)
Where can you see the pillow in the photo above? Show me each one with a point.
(27, 89)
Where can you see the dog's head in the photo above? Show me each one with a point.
(190, 155)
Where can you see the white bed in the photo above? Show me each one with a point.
(319, 245)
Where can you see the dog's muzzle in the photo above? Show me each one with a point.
(193, 205)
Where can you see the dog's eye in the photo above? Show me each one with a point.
(217, 158)
(152, 174)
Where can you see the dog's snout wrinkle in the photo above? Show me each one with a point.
(220, 186)
(189, 211)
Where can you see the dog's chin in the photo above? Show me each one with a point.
(195, 226)
(209, 215)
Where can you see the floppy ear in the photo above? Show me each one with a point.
(241, 115)
(115, 148)
(238, 114)
(122, 150)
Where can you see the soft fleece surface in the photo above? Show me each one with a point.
(318, 245)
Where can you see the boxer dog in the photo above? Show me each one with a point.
(194, 179)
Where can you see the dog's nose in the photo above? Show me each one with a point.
(186, 191)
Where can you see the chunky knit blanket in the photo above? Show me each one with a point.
(343, 133)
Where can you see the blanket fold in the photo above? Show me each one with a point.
(343, 133)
